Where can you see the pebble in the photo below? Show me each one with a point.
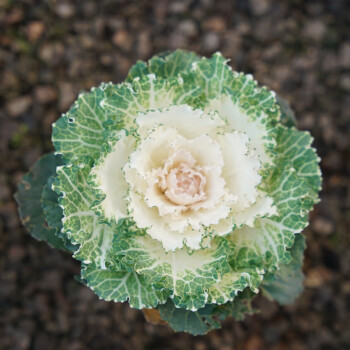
(122, 39)
(144, 45)
(323, 226)
(34, 30)
(345, 81)
(254, 342)
(315, 30)
(65, 9)
(45, 94)
(178, 7)
(52, 53)
(188, 28)
(15, 16)
(211, 42)
(216, 24)
(344, 55)
(67, 95)
(259, 7)
(18, 105)
(317, 277)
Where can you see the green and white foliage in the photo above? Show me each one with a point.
(184, 188)
(38, 204)
(207, 318)
(287, 284)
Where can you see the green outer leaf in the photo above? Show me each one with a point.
(149, 93)
(293, 185)
(287, 114)
(120, 286)
(191, 302)
(208, 318)
(177, 271)
(295, 146)
(54, 213)
(287, 283)
(216, 77)
(264, 246)
(79, 133)
(216, 80)
(82, 131)
(232, 283)
(80, 223)
(240, 307)
(168, 65)
(195, 322)
(28, 197)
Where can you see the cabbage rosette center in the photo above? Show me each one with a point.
(183, 175)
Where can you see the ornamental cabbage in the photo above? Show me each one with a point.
(184, 189)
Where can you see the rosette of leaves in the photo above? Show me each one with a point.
(184, 188)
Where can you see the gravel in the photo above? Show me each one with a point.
(51, 50)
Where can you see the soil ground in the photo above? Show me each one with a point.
(51, 50)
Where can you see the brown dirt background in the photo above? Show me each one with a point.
(51, 50)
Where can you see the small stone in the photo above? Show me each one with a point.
(330, 62)
(200, 346)
(122, 39)
(188, 28)
(5, 192)
(254, 343)
(178, 7)
(65, 9)
(14, 16)
(45, 94)
(259, 7)
(87, 41)
(314, 30)
(345, 82)
(115, 23)
(51, 52)
(9, 80)
(216, 24)
(34, 30)
(346, 287)
(144, 45)
(178, 40)
(211, 42)
(67, 95)
(317, 277)
(18, 105)
(344, 55)
(323, 226)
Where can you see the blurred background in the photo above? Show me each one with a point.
(51, 50)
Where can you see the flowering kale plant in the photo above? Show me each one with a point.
(184, 189)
